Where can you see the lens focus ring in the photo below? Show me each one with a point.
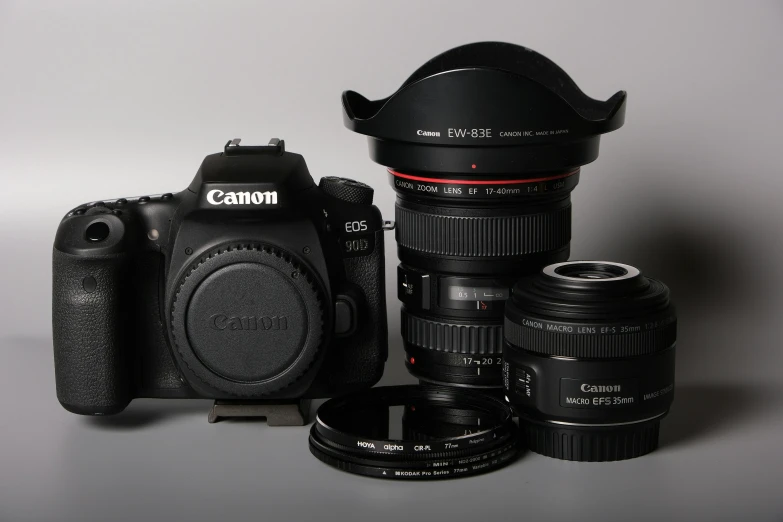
(452, 338)
(490, 236)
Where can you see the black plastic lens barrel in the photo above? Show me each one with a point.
(462, 245)
(589, 360)
(483, 145)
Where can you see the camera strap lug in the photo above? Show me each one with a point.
(388, 225)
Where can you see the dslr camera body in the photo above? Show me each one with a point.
(251, 284)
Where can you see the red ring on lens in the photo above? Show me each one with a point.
(481, 182)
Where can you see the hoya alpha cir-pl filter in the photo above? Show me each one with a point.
(414, 433)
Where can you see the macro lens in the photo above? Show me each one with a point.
(589, 360)
(483, 146)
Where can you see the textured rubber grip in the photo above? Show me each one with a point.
(491, 236)
(596, 445)
(452, 338)
(357, 361)
(88, 324)
(347, 190)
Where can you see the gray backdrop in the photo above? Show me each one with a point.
(107, 99)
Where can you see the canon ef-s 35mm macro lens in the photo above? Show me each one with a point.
(483, 145)
(589, 360)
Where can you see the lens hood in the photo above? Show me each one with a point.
(486, 107)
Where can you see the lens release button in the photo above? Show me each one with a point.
(344, 317)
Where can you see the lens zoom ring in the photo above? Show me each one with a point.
(589, 346)
(483, 236)
(452, 338)
(584, 446)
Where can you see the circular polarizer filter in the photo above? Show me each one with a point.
(414, 432)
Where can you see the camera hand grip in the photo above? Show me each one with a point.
(359, 359)
(88, 330)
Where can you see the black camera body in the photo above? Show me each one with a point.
(251, 284)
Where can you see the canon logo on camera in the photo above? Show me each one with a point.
(427, 133)
(590, 388)
(218, 197)
(227, 322)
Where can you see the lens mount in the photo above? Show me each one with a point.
(246, 319)
(599, 443)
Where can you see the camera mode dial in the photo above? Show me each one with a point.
(347, 190)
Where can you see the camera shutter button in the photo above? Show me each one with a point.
(347, 189)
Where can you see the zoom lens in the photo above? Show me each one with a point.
(483, 145)
(589, 360)
(460, 257)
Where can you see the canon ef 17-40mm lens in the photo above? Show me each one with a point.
(483, 146)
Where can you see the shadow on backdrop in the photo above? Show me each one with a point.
(722, 286)
(711, 268)
(703, 410)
